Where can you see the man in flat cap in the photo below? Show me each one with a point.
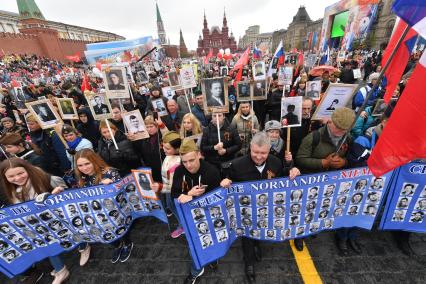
(192, 179)
(317, 153)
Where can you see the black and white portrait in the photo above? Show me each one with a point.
(142, 77)
(258, 90)
(245, 212)
(99, 105)
(202, 228)
(361, 185)
(143, 180)
(222, 236)
(243, 91)
(279, 211)
(291, 111)
(216, 95)
(374, 196)
(417, 217)
(198, 214)
(206, 241)
(279, 198)
(296, 195)
(313, 192)
(329, 190)
(223, 71)
(159, 107)
(270, 234)
(116, 82)
(295, 208)
(336, 96)
(353, 210)
(19, 94)
(370, 209)
(313, 89)
(357, 198)
(345, 187)
(262, 212)
(245, 200)
(328, 223)
(174, 80)
(44, 112)
(408, 189)
(135, 125)
(259, 71)
(10, 255)
(377, 183)
(398, 215)
(216, 212)
(262, 199)
(403, 202)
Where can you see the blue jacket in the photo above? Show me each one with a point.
(360, 96)
(362, 124)
(199, 113)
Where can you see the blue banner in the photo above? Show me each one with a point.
(30, 231)
(280, 209)
(406, 206)
(118, 43)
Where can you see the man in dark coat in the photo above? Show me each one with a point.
(216, 152)
(257, 165)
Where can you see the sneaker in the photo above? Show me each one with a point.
(126, 251)
(85, 255)
(32, 278)
(60, 276)
(116, 254)
(177, 233)
(192, 279)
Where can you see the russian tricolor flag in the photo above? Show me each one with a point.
(413, 12)
(279, 53)
(256, 52)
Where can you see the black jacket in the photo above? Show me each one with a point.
(152, 156)
(273, 105)
(124, 159)
(230, 139)
(34, 159)
(183, 180)
(244, 169)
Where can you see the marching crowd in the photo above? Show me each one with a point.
(246, 143)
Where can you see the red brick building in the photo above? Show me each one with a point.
(216, 38)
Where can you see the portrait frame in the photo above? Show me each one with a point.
(261, 75)
(381, 106)
(287, 102)
(208, 102)
(224, 71)
(104, 101)
(337, 95)
(316, 96)
(33, 107)
(122, 89)
(174, 81)
(64, 115)
(150, 194)
(243, 98)
(127, 116)
(264, 85)
(163, 110)
(187, 77)
(142, 77)
(168, 92)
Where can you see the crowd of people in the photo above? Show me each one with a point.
(190, 151)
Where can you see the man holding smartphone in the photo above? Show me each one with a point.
(192, 179)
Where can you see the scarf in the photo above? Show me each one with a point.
(277, 145)
(74, 144)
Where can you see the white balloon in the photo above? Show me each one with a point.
(221, 51)
(118, 59)
(227, 51)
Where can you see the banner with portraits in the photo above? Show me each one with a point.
(406, 206)
(32, 231)
(280, 209)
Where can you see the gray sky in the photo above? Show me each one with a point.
(135, 18)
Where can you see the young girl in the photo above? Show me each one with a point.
(171, 144)
(190, 126)
(22, 182)
(91, 170)
(75, 142)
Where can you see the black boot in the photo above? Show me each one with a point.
(250, 274)
(354, 245)
(298, 243)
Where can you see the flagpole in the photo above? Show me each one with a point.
(375, 86)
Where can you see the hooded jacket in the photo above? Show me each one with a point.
(90, 129)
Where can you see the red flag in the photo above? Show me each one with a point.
(85, 85)
(74, 58)
(206, 60)
(243, 61)
(404, 137)
(396, 68)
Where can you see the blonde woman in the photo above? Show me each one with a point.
(246, 123)
(190, 126)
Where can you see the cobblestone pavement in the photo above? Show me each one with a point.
(157, 258)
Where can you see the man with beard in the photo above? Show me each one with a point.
(256, 165)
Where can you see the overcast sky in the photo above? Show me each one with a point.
(135, 18)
